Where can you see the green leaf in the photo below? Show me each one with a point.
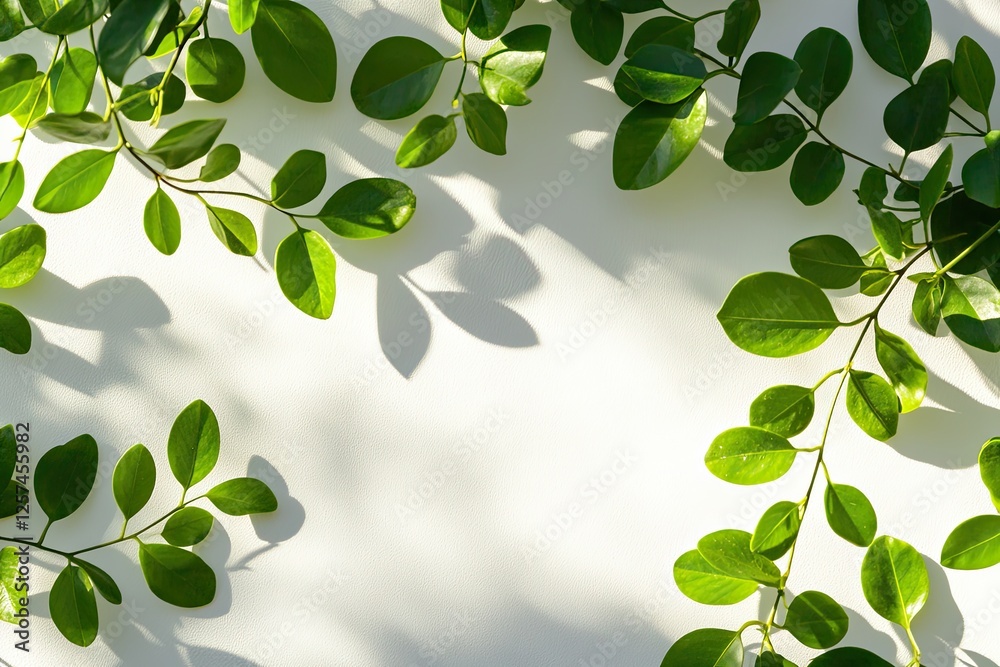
(767, 79)
(11, 187)
(599, 29)
(486, 19)
(729, 551)
(65, 18)
(64, 477)
(935, 182)
(873, 405)
(295, 50)
(849, 657)
(15, 331)
(34, 104)
(817, 172)
(850, 514)
(965, 220)
(827, 60)
(142, 107)
(215, 69)
(940, 70)
(486, 123)
(101, 580)
(749, 455)
(785, 409)
(873, 190)
(11, 20)
(73, 606)
(971, 309)
(664, 74)
(989, 467)
(128, 33)
(917, 118)
(72, 81)
(8, 453)
(17, 75)
(765, 145)
(396, 77)
(816, 620)
(242, 14)
(702, 582)
(927, 304)
(903, 367)
(75, 181)
(777, 315)
(162, 222)
(981, 176)
(222, 161)
(369, 208)
(896, 34)
(706, 648)
(429, 139)
(828, 261)
(974, 545)
(300, 179)
(10, 597)
(741, 20)
(176, 576)
(888, 232)
(84, 128)
(668, 30)
(133, 480)
(188, 526)
(233, 229)
(187, 142)
(307, 272)
(514, 64)
(22, 251)
(193, 445)
(973, 75)
(877, 280)
(768, 659)
(894, 579)
(777, 530)
(242, 496)
(653, 140)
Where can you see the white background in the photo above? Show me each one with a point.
(535, 359)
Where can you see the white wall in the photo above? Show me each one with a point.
(348, 435)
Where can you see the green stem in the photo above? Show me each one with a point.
(968, 122)
(45, 531)
(135, 535)
(464, 55)
(161, 86)
(43, 87)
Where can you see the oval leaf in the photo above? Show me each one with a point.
(295, 50)
(193, 445)
(816, 620)
(188, 526)
(176, 576)
(369, 208)
(75, 181)
(785, 409)
(396, 77)
(729, 551)
(73, 606)
(777, 530)
(903, 368)
(429, 139)
(894, 579)
(162, 222)
(133, 480)
(702, 582)
(850, 514)
(22, 251)
(307, 272)
(242, 496)
(64, 477)
(873, 405)
(300, 179)
(749, 455)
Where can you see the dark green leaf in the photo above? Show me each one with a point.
(133, 480)
(369, 208)
(941, 71)
(917, 118)
(850, 514)
(958, 222)
(935, 182)
(702, 582)
(486, 19)
(84, 128)
(973, 75)
(193, 445)
(296, 50)
(215, 69)
(765, 145)
(828, 261)
(429, 139)
(971, 309)
(873, 190)
(849, 657)
(307, 272)
(176, 576)
(300, 179)
(185, 143)
(222, 161)
(749, 455)
(11, 187)
(162, 222)
(102, 581)
(72, 81)
(785, 409)
(64, 477)
(927, 304)
(981, 176)
(654, 140)
(974, 545)
(767, 79)
(768, 659)
(903, 368)
(187, 527)
(777, 315)
(896, 34)
(664, 74)
(8, 453)
(816, 620)
(242, 496)
(729, 551)
(668, 30)
(826, 59)
(486, 123)
(142, 107)
(396, 78)
(11, 20)
(22, 251)
(73, 606)
(817, 172)
(128, 33)
(599, 30)
(514, 64)
(15, 331)
(741, 20)
(894, 579)
(777, 530)
(66, 17)
(706, 648)
(873, 405)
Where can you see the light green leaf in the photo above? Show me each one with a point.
(785, 409)
(396, 77)
(989, 468)
(816, 620)
(873, 405)
(33, 105)
(64, 477)
(295, 50)
(702, 582)
(234, 229)
(215, 69)
(73, 606)
(973, 75)
(974, 545)
(222, 161)
(888, 232)
(185, 143)
(894, 580)
(935, 182)
(193, 445)
(300, 179)
(369, 208)
(903, 367)
(897, 46)
(307, 271)
(176, 576)
(777, 530)
(514, 64)
(17, 75)
(63, 18)
(22, 251)
(75, 181)
(133, 480)
(429, 139)
(706, 648)
(243, 496)
(828, 261)
(654, 140)
(10, 597)
(878, 279)
(971, 309)
(850, 514)
(817, 172)
(749, 455)
(11, 187)
(72, 81)
(765, 145)
(162, 222)
(242, 14)
(11, 20)
(927, 304)
(188, 526)
(83, 128)
(729, 551)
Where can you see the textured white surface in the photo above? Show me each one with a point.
(582, 348)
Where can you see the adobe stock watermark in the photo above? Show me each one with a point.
(785, 128)
(470, 445)
(435, 648)
(363, 35)
(280, 120)
(596, 318)
(562, 521)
